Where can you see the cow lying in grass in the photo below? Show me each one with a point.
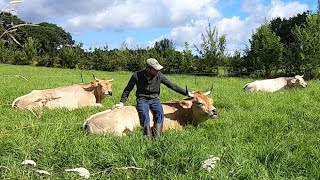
(193, 110)
(70, 97)
(277, 84)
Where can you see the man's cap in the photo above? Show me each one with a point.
(151, 62)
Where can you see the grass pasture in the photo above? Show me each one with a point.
(256, 135)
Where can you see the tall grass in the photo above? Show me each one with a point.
(256, 135)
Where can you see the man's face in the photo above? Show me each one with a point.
(152, 71)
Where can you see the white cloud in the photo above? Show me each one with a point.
(283, 10)
(253, 6)
(183, 10)
(83, 15)
(131, 15)
(238, 31)
(183, 34)
(184, 20)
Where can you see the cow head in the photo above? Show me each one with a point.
(201, 106)
(102, 86)
(298, 81)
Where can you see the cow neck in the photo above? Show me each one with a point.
(95, 92)
(189, 116)
(97, 95)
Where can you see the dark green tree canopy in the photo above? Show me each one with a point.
(284, 27)
(50, 36)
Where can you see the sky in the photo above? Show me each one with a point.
(141, 23)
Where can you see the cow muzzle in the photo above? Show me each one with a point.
(108, 93)
(213, 112)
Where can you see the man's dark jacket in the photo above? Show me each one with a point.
(148, 88)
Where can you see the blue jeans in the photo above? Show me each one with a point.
(143, 107)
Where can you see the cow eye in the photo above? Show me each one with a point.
(199, 103)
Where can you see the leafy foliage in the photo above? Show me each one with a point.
(211, 50)
(50, 36)
(282, 47)
(308, 43)
(266, 50)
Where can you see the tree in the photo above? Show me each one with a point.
(266, 50)
(31, 50)
(6, 54)
(284, 29)
(168, 55)
(10, 23)
(187, 64)
(70, 56)
(163, 45)
(50, 36)
(211, 49)
(308, 43)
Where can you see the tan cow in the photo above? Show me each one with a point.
(195, 109)
(70, 97)
(277, 84)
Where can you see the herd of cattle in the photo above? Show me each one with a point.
(194, 109)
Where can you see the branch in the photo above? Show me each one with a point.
(14, 39)
(14, 28)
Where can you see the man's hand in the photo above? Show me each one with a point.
(118, 106)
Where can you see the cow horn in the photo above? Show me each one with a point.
(208, 92)
(190, 94)
(94, 77)
(110, 80)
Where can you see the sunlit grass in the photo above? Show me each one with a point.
(256, 135)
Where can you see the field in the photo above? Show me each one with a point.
(256, 135)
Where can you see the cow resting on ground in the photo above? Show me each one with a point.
(70, 97)
(277, 84)
(193, 110)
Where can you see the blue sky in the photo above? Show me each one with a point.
(140, 23)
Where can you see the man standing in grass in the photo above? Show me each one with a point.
(148, 83)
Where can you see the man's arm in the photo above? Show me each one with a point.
(128, 89)
(173, 86)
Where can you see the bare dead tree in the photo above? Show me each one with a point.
(9, 31)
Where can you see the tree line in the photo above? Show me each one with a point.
(280, 47)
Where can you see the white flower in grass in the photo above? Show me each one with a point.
(29, 162)
(210, 163)
(43, 172)
(83, 172)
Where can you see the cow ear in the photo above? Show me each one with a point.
(94, 83)
(186, 104)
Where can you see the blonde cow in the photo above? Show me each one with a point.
(193, 110)
(70, 97)
(277, 84)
